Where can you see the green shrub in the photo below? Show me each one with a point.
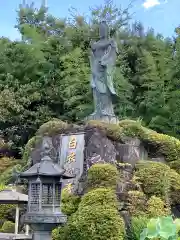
(168, 146)
(99, 197)
(6, 176)
(6, 162)
(138, 224)
(5, 209)
(157, 178)
(69, 202)
(175, 165)
(59, 233)
(156, 207)
(98, 222)
(102, 175)
(136, 203)
(8, 227)
(53, 127)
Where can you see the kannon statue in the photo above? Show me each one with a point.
(102, 61)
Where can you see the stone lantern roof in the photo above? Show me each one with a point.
(46, 168)
(10, 196)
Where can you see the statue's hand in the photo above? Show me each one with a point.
(102, 63)
(92, 44)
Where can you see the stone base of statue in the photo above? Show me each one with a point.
(103, 118)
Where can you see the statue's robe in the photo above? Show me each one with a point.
(102, 60)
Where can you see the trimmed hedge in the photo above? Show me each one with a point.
(98, 222)
(102, 175)
(157, 208)
(160, 180)
(136, 203)
(69, 202)
(99, 197)
(97, 216)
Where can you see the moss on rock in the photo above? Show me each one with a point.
(53, 127)
(50, 128)
(165, 145)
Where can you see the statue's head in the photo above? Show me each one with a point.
(103, 29)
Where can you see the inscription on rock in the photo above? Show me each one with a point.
(71, 156)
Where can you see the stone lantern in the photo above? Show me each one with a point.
(44, 194)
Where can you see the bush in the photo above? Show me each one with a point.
(8, 227)
(175, 165)
(102, 175)
(157, 178)
(168, 146)
(99, 222)
(7, 176)
(52, 127)
(136, 203)
(6, 162)
(99, 197)
(69, 202)
(138, 224)
(157, 208)
(59, 233)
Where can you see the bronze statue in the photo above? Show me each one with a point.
(102, 61)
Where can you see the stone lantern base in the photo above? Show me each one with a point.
(43, 224)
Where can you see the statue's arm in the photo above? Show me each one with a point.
(91, 60)
(110, 57)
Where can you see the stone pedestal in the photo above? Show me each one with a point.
(43, 224)
(103, 118)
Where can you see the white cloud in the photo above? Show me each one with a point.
(151, 3)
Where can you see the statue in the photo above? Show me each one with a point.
(102, 61)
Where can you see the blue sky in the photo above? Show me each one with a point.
(162, 15)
